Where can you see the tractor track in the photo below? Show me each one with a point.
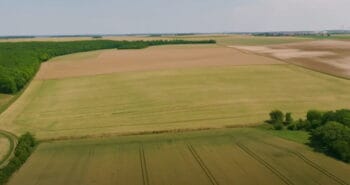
(202, 165)
(144, 170)
(264, 163)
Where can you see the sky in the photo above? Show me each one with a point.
(61, 17)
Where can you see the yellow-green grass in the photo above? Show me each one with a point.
(228, 156)
(4, 146)
(156, 101)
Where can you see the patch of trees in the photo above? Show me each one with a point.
(25, 147)
(17, 37)
(330, 130)
(19, 61)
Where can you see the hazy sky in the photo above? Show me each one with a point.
(38, 17)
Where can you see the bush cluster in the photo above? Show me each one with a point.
(279, 120)
(26, 145)
(19, 61)
(330, 130)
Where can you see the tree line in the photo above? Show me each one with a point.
(329, 130)
(19, 61)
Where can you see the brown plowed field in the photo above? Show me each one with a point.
(328, 56)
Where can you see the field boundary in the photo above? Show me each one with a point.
(264, 163)
(11, 152)
(202, 165)
(144, 170)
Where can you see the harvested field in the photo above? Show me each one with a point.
(328, 56)
(184, 98)
(4, 146)
(222, 157)
(150, 59)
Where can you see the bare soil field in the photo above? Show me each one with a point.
(328, 56)
(154, 58)
(221, 157)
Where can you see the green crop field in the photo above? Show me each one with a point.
(153, 101)
(230, 156)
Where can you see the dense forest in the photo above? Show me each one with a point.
(19, 61)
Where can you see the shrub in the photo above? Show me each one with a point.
(292, 126)
(278, 126)
(314, 115)
(289, 119)
(276, 116)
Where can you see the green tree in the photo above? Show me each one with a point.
(332, 138)
(289, 119)
(276, 116)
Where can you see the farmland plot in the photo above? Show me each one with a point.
(142, 93)
(230, 156)
(328, 56)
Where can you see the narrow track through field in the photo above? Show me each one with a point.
(144, 169)
(202, 165)
(264, 163)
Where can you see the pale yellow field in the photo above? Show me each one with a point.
(219, 92)
(150, 59)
